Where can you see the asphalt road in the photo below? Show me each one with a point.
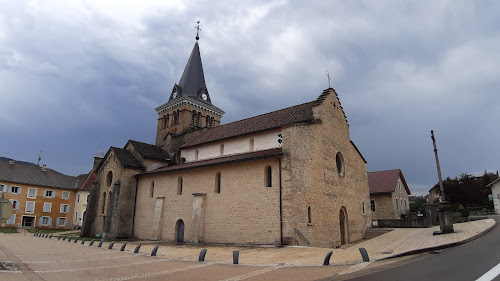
(466, 262)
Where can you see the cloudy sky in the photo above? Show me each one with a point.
(75, 74)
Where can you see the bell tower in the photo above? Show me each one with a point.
(189, 106)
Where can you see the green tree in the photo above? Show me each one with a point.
(420, 201)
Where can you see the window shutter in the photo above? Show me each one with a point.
(67, 209)
(65, 222)
(40, 221)
(61, 209)
(57, 221)
(19, 190)
(50, 221)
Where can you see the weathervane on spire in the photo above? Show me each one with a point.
(198, 31)
(328, 76)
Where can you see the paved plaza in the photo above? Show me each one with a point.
(26, 257)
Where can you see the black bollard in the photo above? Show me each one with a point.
(100, 243)
(50, 237)
(236, 257)
(327, 258)
(92, 242)
(69, 240)
(137, 249)
(203, 253)
(123, 247)
(364, 254)
(111, 245)
(155, 249)
(83, 241)
(76, 240)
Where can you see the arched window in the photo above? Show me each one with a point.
(176, 117)
(198, 119)
(179, 185)
(103, 207)
(250, 145)
(339, 161)
(196, 154)
(268, 176)
(222, 149)
(193, 117)
(208, 122)
(309, 216)
(217, 182)
(109, 178)
(152, 189)
(212, 121)
(109, 200)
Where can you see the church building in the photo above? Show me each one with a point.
(287, 177)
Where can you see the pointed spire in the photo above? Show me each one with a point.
(192, 82)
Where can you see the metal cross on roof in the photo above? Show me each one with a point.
(197, 31)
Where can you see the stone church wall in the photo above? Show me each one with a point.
(310, 178)
(244, 212)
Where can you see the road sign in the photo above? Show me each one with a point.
(5, 209)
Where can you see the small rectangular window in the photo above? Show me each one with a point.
(31, 192)
(15, 189)
(64, 208)
(78, 198)
(15, 204)
(65, 195)
(47, 207)
(61, 222)
(3, 188)
(372, 205)
(49, 193)
(30, 207)
(12, 220)
(46, 221)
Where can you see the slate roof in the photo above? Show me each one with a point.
(31, 174)
(150, 151)
(126, 158)
(301, 113)
(261, 154)
(385, 181)
(192, 81)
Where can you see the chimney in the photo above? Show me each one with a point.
(97, 161)
(44, 167)
(11, 161)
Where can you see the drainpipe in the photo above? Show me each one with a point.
(281, 204)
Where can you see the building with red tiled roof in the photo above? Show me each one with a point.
(388, 194)
(287, 177)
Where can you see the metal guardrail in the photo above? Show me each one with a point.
(481, 213)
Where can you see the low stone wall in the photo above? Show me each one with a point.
(404, 223)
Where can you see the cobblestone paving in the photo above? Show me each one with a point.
(26, 257)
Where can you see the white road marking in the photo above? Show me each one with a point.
(251, 274)
(97, 267)
(491, 274)
(155, 273)
(354, 268)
